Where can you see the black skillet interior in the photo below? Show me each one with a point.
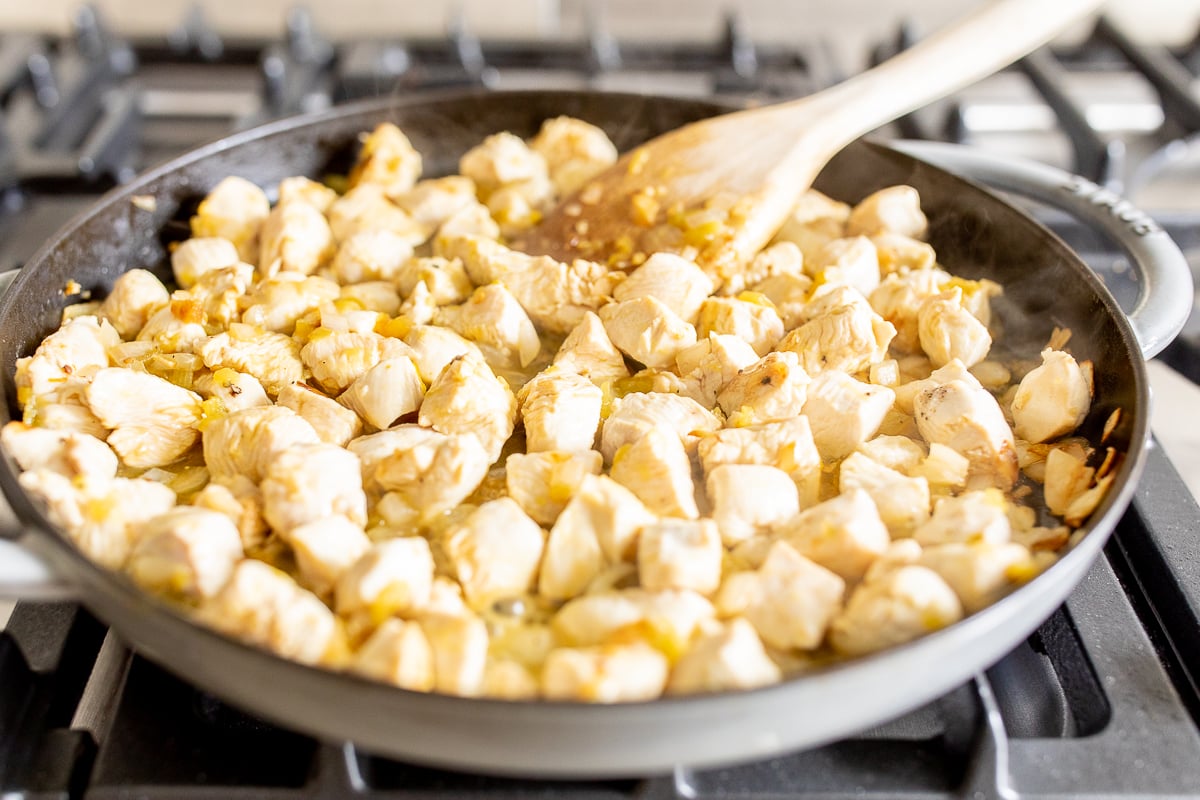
(974, 233)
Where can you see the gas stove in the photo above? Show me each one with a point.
(1103, 700)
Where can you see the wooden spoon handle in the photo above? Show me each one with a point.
(988, 39)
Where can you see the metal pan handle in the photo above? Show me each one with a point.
(1165, 292)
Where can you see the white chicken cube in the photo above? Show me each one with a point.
(247, 442)
(815, 220)
(657, 469)
(336, 360)
(853, 261)
(446, 279)
(273, 358)
(233, 210)
(366, 207)
(789, 600)
(588, 351)
(187, 553)
(679, 284)
(435, 200)
(789, 294)
(308, 482)
(612, 513)
(1053, 398)
(757, 324)
(69, 453)
(398, 653)
(561, 411)
(787, 445)
(949, 331)
(781, 259)
(433, 348)
(153, 422)
(460, 645)
(275, 304)
(773, 388)
(395, 576)
(732, 658)
(849, 338)
(843, 534)
(495, 552)
(134, 298)
(467, 398)
(898, 606)
(265, 607)
(711, 363)
(387, 158)
(575, 152)
(333, 422)
(895, 452)
(966, 418)
(429, 471)
(543, 482)
(899, 298)
(844, 412)
(305, 190)
(978, 516)
(748, 498)
(647, 331)
(504, 679)
(674, 616)
(573, 557)
(295, 237)
(896, 209)
(903, 502)
(900, 253)
(979, 573)
(613, 674)
(943, 467)
(385, 392)
(636, 414)
(494, 320)
(680, 554)
(501, 159)
(78, 348)
(371, 255)
(325, 548)
(241, 501)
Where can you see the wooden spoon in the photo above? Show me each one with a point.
(717, 190)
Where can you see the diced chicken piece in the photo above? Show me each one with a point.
(588, 351)
(395, 576)
(295, 238)
(385, 392)
(899, 299)
(711, 363)
(613, 513)
(338, 359)
(387, 158)
(178, 327)
(980, 573)
(732, 658)
(371, 255)
(815, 220)
(247, 442)
(1053, 399)
(187, 552)
(787, 445)
(299, 189)
(978, 516)
(789, 600)
(647, 331)
(898, 252)
(380, 297)
(434, 347)
(901, 605)
(515, 207)
(680, 554)
(673, 616)
(780, 260)
(431, 471)
(949, 331)
(333, 422)
(100, 515)
(467, 398)
(235, 390)
(611, 674)
(555, 294)
(265, 607)
(903, 502)
(561, 411)
(843, 534)
(134, 298)
(896, 209)
(309, 482)
(844, 412)
(573, 556)
(325, 548)
(67, 452)
(241, 501)
(967, 419)
(656, 468)
(575, 152)
(399, 653)
(199, 255)
(273, 358)
(773, 388)
(676, 282)
(543, 482)
(419, 308)
(446, 279)
(853, 261)
(894, 452)
(943, 467)
(459, 646)
(433, 201)
(920, 378)
(153, 421)
(499, 160)
(493, 319)
(748, 498)
(849, 338)
(69, 415)
(234, 210)
(473, 219)
(757, 324)
(366, 207)
(635, 415)
(495, 552)
(78, 348)
(504, 679)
